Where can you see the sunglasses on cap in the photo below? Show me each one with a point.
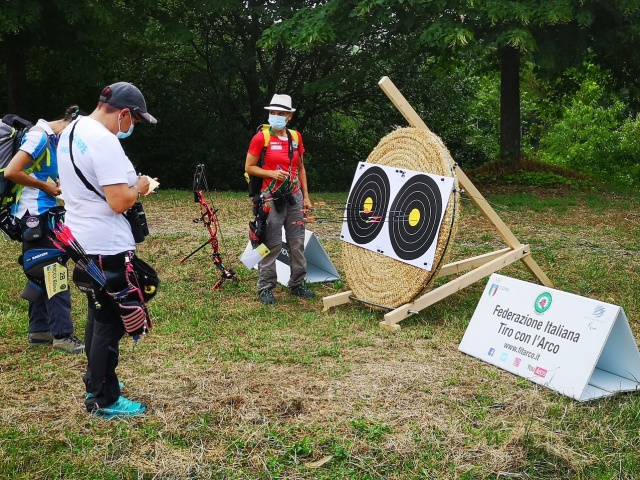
(134, 116)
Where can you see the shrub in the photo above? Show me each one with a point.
(595, 136)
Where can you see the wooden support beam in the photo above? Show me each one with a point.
(335, 300)
(470, 263)
(455, 285)
(401, 103)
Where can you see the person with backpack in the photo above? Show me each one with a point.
(100, 184)
(36, 209)
(276, 155)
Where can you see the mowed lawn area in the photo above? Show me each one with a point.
(239, 390)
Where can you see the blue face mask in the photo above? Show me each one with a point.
(277, 122)
(122, 135)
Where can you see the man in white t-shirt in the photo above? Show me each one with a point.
(100, 184)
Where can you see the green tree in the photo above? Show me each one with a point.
(55, 52)
(218, 70)
(510, 28)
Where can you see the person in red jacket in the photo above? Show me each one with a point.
(285, 190)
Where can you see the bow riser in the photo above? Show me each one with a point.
(209, 219)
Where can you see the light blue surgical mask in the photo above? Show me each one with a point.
(122, 135)
(277, 122)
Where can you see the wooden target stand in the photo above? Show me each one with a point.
(477, 268)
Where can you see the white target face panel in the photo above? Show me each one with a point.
(397, 213)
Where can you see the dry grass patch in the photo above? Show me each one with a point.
(239, 390)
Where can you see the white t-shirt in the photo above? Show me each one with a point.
(99, 156)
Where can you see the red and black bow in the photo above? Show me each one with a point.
(210, 220)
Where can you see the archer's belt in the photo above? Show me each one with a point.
(281, 199)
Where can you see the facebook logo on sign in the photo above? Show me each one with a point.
(492, 351)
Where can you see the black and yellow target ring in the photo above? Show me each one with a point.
(369, 197)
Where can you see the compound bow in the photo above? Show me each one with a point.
(210, 220)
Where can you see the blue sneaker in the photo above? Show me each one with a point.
(123, 407)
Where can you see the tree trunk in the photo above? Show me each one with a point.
(510, 105)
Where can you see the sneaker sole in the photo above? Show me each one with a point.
(64, 349)
(36, 339)
(112, 416)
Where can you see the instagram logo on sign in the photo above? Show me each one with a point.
(516, 362)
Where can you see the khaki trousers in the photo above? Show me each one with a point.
(292, 218)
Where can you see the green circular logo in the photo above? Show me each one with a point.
(543, 302)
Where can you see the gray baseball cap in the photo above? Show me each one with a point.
(127, 95)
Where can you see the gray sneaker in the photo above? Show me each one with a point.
(266, 297)
(69, 344)
(302, 291)
(40, 338)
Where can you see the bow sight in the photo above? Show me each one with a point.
(209, 219)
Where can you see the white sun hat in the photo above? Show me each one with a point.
(281, 103)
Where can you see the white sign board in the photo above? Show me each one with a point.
(577, 346)
(319, 266)
(396, 212)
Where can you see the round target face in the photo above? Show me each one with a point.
(414, 217)
(367, 205)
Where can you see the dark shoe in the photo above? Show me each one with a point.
(266, 297)
(71, 344)
(40, 338)
(302, 291)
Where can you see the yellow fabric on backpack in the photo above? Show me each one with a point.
(267, 134)
(34, 166)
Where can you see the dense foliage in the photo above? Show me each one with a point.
(208, 68)
(596, 133)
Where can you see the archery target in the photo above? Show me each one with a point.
(369, 198)
(418, 226)
(415, 217)
(407, 229)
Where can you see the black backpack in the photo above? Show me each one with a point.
(12, 129)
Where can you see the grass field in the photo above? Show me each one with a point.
(238, 390)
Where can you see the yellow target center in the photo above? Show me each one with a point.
(414, 217)
(368, 204)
